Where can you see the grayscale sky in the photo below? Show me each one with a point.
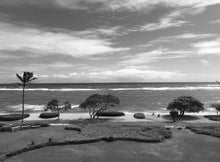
(110, 40)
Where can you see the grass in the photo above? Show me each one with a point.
(181, 118)
(213, 117)
(207, 130)
(12, 117)
(89, 133)
(183, 146)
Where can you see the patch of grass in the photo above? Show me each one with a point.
(207, 130)
(139, 116)
(181, 118)
(48, 115)
(13, 117)
(213, 117)
(111, 113)
(108, 132)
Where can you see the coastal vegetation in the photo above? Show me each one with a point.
(216, 106)
(53, 106)
(98, 103)
(25, 79)
(111, 113)
(185, 104)
(13, 117)
(139, 115)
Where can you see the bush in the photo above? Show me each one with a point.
(213, 117)
(111, 114)
(73, 128)
(48, 115)
(5, 129)
(181, 118)
(139, 116)
(12, 117)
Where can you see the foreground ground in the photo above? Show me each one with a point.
(184, 146)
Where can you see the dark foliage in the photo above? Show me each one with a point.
(139, 116)
(216, 106)
(48, 115)
(181, 118)
(13, 117)
(186, 104)
(111, 114)
(207, 130)
(53, 106)
(97, 103)
(174, 114)
(213, 117)
(73, 128)
(67, 105)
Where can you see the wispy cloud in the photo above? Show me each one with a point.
(208, 47)
(215, 21)
(155, 55)
(44, 42)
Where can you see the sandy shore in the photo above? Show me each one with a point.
(127, 118)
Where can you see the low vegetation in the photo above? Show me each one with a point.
(108, 132)
(13, 117)
(180, 118)
(207, 130)
(49, 115)
(139, 115)
(111, 114)
(213, 117)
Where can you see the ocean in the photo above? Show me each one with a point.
(134, 97)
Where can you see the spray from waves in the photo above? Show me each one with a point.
(33, 108)
(191, 88)
(166, 88)
(48, 89)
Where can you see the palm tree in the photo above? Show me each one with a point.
(25, 79)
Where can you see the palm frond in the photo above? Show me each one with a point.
(20, 78)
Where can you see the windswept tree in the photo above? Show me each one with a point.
(25, 79)
(98, 103)
(53, 106)
(216, 106)
(186, 104)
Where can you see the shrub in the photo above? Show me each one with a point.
(111, 114)
(48, 115)
(73, 128)
(213, 117)
(5, 129)
(139, 116)
(181, 118)
(13, 117)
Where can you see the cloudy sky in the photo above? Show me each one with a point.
(110, 40)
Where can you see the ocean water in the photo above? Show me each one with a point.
(134, 97)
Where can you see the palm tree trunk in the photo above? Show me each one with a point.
(22, 115)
